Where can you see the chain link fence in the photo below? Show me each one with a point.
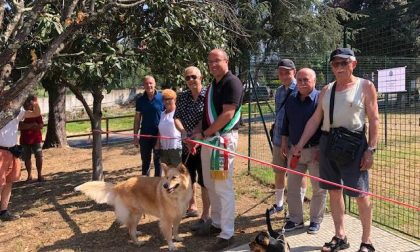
(389, 40)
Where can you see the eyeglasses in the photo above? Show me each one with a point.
(217, 61)
(191, 77)
(337, 64)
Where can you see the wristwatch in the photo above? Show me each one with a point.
(372, 149)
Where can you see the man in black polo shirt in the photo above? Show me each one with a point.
(298, 110)
(220, 124)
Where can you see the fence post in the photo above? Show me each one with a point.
(107, 129)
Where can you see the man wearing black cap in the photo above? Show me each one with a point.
(354, 99)
(286, 72)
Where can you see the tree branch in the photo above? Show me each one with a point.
(2, 10)
(19, 6)
(76, 91)
(127, 3)
(69, 10)
(22, 34)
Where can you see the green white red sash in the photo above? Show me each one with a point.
(218, 162)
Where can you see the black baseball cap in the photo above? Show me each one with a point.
(344, 53)
(286, 64)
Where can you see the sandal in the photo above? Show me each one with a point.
(364, 247)
(336, 244)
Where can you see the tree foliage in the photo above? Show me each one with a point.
(392, 24)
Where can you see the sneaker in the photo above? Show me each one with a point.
(7, 216)
(221, 244)
(200, 223)
(313, 228)
(208, 230)
(290, 225)
(275, 209)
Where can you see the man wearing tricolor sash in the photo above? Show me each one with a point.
(220, 124)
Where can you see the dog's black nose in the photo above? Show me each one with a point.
(165, 185)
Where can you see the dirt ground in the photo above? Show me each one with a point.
(55, 218)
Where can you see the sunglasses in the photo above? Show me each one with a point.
(191, 77)
(337, 64)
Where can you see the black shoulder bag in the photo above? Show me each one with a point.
(15, 150)
(343, 144)
(289, 91)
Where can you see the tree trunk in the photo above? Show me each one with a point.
(56, 131)
(97, 167)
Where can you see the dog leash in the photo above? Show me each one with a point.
(186, 159)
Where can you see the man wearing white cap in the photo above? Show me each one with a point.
(344, 105)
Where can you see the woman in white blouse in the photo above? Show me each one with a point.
(170, 149)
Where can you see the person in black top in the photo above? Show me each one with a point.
(188, 116)
(220, 123)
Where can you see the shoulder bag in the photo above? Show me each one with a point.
(343, 144)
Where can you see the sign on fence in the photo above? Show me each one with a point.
(391, 80)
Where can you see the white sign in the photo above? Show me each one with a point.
(391, 80)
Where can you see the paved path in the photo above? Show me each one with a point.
(383, 241)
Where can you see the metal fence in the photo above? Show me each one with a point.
(396, 173)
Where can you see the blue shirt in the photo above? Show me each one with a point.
(150, 111)
(297, 113)
(279, 98)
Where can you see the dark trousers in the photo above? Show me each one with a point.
(147, 145)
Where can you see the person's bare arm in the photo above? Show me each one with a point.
(33, 113)
(137, 120)
(284, 149)
(371, 107)
(28, 126)
(311, 126)
(224, 118)
(179, 126)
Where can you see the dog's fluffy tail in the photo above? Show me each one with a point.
(101, 192)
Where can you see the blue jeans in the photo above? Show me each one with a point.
(147, 145)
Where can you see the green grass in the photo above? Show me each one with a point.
(254, 108)
(73, 128)
(391, 216)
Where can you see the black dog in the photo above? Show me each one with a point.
(270, 241)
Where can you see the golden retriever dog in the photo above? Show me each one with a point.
(165, 197)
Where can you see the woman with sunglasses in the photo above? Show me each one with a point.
(188, 116)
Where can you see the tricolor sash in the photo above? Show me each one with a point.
(218, 162)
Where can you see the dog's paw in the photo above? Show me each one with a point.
(138, 233)
(172, 247)
(178, 238)
(138, 243)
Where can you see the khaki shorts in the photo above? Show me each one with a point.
(9, 168)
(278, 159)
(28, 149)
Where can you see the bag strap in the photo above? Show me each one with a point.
(289, 91)
(332, 98)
